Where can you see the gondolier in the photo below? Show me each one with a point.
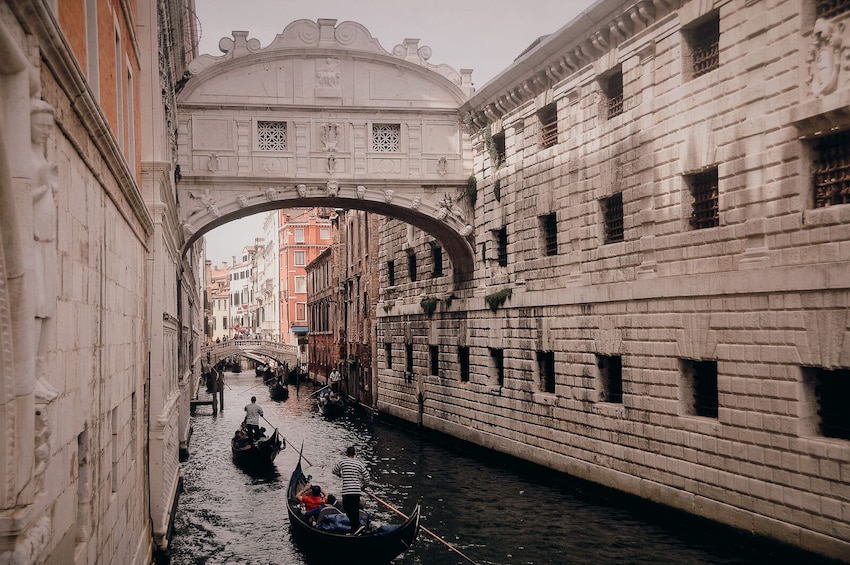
(252, 418)
(354, 477)
(334, 379)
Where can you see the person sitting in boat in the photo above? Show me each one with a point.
(240, 440)
(313, 499)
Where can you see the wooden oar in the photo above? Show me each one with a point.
(318, 391)
(293, 446)
(426, 530)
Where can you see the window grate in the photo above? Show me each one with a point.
(385, 137)
(550, 233)
(548, 117)
(499, 148)
(502, 243)
(832, 170)
(704, 188)
(614, 93)
(612, 210)
(706, 47)
(271, 136)
(830, 8)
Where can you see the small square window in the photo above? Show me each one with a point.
(704, 190)
(831, 170)
(830, 390)
(612, 213)
(299, 235)
(271, 136)
(699, 388)
(549, 229)
(386, 138)
(548, 116)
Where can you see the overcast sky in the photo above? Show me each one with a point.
(482, 35)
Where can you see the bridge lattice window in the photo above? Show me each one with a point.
(271, 136)
(385, 137)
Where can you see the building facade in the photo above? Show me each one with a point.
(660, 294)
(99, 304)
(219, 297)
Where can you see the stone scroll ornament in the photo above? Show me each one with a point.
(825, 57)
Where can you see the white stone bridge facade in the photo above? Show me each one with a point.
(324, 116)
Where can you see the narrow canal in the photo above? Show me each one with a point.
(493, 510)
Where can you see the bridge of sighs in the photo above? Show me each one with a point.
(324, 116)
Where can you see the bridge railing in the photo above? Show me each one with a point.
(233, 346)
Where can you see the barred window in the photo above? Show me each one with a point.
(501, 236)
(699, 387)
(612, 213)
(548, 116)
(830, 8)
(549, 227)
(499, 150)
(385, 137)
(831, 177)
(704, 189)
(831, 391)
(546, 370)
(613, 87)
(611, 378)
(704, 43)
(498, 357)
(271, 136)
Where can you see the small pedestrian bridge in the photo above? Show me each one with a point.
(257, 349)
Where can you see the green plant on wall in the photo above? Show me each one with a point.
(429, 305)
(496, 299)
(497, 189)
(472, 189)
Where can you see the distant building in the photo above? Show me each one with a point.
(219, 300)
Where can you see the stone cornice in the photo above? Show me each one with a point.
(57, 54)
(593, 33)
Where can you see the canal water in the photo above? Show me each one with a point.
(491, 509)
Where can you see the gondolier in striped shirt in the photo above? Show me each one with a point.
(354, 478)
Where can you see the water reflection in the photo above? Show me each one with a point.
(494, 511)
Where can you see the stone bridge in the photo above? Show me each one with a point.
(324, 116)
(257, 349)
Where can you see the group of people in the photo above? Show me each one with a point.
(354, 477)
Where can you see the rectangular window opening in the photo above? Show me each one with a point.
(831, 170)
(501, 236)
(391, 273)
(411, 266)
(271, 136)
(463, 362)
(549, 227)
(704, 189)
(613, 88)
(827, 9)
(386, 138)
(499, 148)
(388, 354)
(548, 116)
(831, 392)
(699, 386)
(437, 257)
(498, 357)
(610, 378)
(434, 353)
(704, 42)
(612, 213)
(546, 370)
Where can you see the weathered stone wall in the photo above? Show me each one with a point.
(764, 293)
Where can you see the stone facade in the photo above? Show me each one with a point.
(660, 293)
(98, 304)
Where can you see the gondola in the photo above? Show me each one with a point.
(330, 405)
(278, 390)
(372, 546)
(258, 454)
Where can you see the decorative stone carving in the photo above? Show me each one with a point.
(31, 547)
(189, 229)
(333, 188)
(331, 164)
(208, 203)
(467, 229)
(330, 137)
(327, 73)
(361, 191)
(415, 203)
(442, 166)
(824, 57)
(45, 185)
(302, 190)
(389, 195)
(448, 207)
(242, 201)
(213, 163)
(271, 194)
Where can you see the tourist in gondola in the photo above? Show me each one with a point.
(253, 411)
(313, 499)
(354, 477)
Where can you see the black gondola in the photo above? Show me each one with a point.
(278, 390)
(372, 546)
(259, 453)
(330, 404)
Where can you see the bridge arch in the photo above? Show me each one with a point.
(324, 116)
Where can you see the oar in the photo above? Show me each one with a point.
(293, 446)
(318, 391)
(426, 530)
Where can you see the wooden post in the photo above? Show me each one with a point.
(221, 391)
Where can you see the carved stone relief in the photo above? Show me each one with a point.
(826, 57)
